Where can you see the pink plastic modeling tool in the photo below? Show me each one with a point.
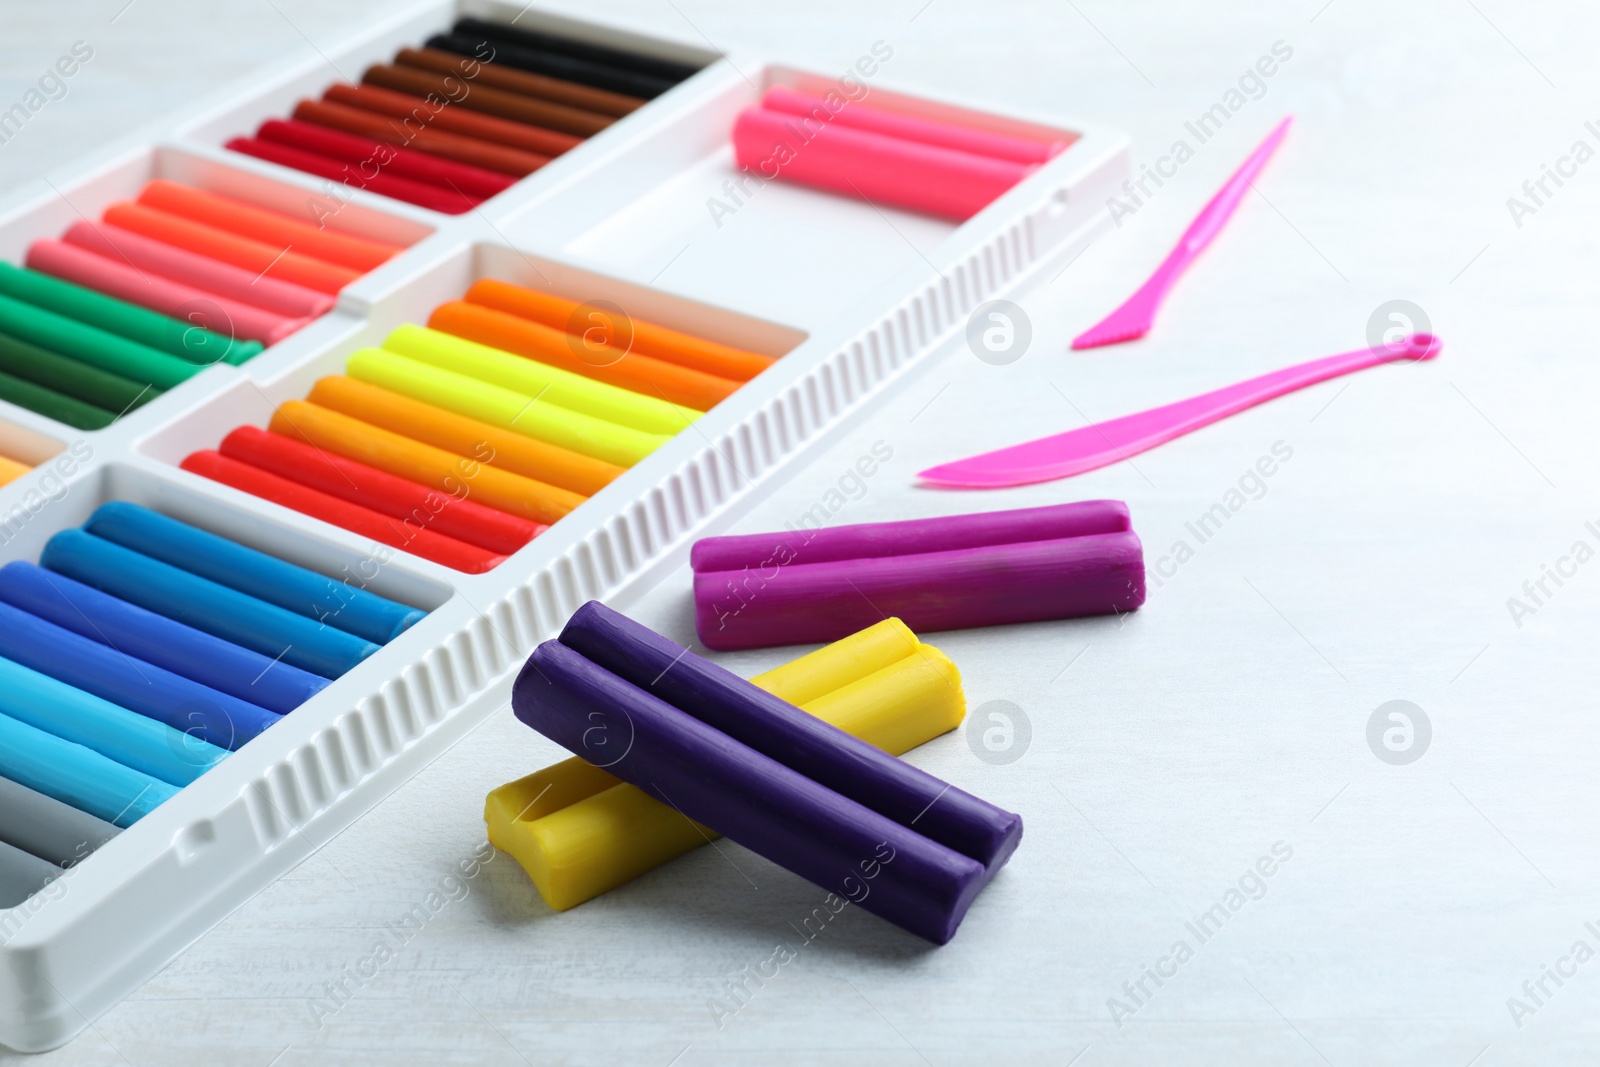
(1090, 447)
(1133, 319)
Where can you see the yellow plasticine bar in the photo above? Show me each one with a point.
(579, 832)
(499, 406)
(648, 414)
(11, 470)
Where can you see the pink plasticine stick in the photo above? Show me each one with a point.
(219, 279)
(184, 302)
(915, 128)
(883, 170)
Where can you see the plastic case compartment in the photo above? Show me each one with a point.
(603, 222)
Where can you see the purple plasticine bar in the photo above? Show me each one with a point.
(889, 869)
(987, 569)
(777, 729)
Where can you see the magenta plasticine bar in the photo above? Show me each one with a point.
(912, 127)
(987, 569)
(864, 165)
(845, 843)
(191, 268)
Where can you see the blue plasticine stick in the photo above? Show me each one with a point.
(257, 574)
(142, 687)
(131, 739)
(78, 776)
(205, 605)
(195, 654)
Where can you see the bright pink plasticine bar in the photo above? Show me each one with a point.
(989, 569)
(183, 302)
(884, 170)
(914, 127)
(215, 277)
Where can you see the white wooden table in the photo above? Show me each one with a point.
(1171, 751)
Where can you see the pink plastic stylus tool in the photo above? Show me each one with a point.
(1090, 447)
(1133, 319)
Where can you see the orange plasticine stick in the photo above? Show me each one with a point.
(259, 224)
(393, 131)
(434, 467)
(270, 260)
(423, 422)
(684, 349)
(417, 111)
(642, 374)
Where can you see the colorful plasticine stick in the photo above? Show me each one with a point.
(203, 272)
(645, 338)
(182, 303)
(512, 162)
(640, 373)
(439, 113)
(417, 462)
(511, 451)
(101, 670)
(134, 740)
(384, 529)
(550, 63)
(78, 776)
(22, 875)
(913, 127)
(579, 832)
(159, 331)
(226, 562)
(863, 165)
(432, 197)
(987, 569)
(11, 470)
(497, 102)
(265, 258)
(260, 224)
(204, 605)
(44, 827)
(452, 516)
(523, 412)
(668, 70)
(63, 374)
(195, 654)
(806, 795)
(575, 392)
(393, 159)
(511, 80)
(96, 347)
(54, 405)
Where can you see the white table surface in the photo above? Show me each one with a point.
(1169, 750)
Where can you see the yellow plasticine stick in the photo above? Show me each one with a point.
(649, 414)
(498, 406)
(11, 470)
(579, 832)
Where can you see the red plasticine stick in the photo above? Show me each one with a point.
(445, 551)
(859, 164)
(457, 517)
(183, 302)
(914, 127)
(243, 252)
(432, 197)
(420, 111)
(485, 154)
(215, 277)
(403, 162)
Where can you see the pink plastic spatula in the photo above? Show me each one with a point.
(1091, 447)
(1133, 319)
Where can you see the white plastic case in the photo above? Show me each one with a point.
(858, 297)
